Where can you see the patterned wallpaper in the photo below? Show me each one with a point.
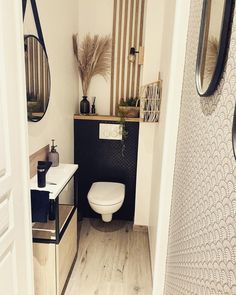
(202, 235)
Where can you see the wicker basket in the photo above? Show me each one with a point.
(129, 112)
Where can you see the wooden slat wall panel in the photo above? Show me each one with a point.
(37, 74)
(128, 18)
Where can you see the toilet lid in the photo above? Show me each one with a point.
(106, 193)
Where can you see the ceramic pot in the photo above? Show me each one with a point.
(84, 106)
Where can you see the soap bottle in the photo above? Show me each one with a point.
(53, 155)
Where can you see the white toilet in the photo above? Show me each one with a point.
(106, 198)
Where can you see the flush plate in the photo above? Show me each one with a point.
(110, 131)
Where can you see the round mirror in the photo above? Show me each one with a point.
(213, 44)
(37, 78)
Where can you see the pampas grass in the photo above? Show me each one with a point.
(93, 57)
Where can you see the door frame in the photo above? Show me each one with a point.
(12, 81)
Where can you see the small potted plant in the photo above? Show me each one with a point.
(129, 108)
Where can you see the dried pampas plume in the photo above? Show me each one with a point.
(93, 55)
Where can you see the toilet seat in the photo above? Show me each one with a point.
(106, 193)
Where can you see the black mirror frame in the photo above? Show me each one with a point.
(38, 119)
(39, 38)
(224, 42)
(24, 3)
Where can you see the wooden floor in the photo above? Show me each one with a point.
(112, 260)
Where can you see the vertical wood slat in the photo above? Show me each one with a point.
(118, 53)
(33, 69)
(129, 46)
(36, 46)
(37, 73)
(124, 57)
(113, 57)
(136, 46)
(30, 66)
(41, 74)
(45, 81)
(34, 72)
(140, 44)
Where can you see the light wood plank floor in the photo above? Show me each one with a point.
(112, 260)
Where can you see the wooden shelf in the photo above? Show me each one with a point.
(104, 118)
(47, 230)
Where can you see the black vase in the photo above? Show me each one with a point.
(84, 106)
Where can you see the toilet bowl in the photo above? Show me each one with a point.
(106, 198)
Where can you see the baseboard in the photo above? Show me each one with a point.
(141, 228)
(150, 254)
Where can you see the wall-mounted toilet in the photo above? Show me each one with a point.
(106, 198)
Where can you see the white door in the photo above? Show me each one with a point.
(16, 274)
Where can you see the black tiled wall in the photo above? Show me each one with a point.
(102, 160)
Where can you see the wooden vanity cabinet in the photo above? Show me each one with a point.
(55, 242)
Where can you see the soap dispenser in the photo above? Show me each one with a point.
(53, 155)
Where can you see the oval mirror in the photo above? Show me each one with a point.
(213, 44)
(37, 78)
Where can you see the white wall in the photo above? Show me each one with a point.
(165, 53)
(59, 21)
(96, 17)
(160, 21)
(172, 69)
(153, 25)
(169, 14)
(144, 177)
(153, 39)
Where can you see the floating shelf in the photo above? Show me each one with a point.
(104, 118)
